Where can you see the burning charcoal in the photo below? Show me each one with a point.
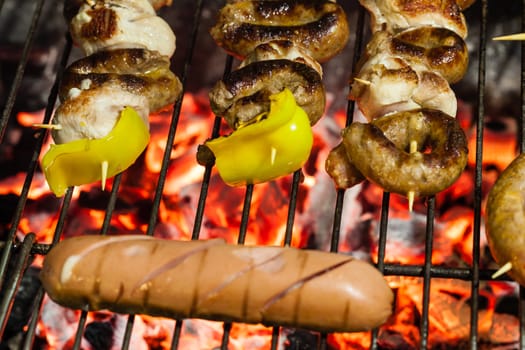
(502, 87)
(23, 304)
(7, 208)
(98, 200)
(508, 305)
(393, 340)
(41, 68)
(504, 329)
(302, 340)
(99, 335)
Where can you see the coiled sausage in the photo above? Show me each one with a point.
(379, 150)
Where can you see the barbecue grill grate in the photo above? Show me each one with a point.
(16, 254)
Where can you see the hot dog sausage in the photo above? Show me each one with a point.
(210, 279)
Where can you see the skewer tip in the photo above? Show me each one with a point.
(413, 146)
(517, 36)
(411, 196)
(362, 81)
(47, 126)
(104, 169)
(502, 270)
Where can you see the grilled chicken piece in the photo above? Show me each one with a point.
(92, 114)
(396, 15)
(440, 49)
(96, 88)
(100, 25)
(71, 7)
(388, 84)
(138, 71)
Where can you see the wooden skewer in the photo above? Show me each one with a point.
(517, 36)
(104, 174)
(47, 126)
(411, 194)
(362, 81)
(502, 270)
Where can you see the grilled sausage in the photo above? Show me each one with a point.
(209, 279)
(379, 150)
(318, 25)
(506, 221)
(244, 93)
(341, 169)
(439, 49)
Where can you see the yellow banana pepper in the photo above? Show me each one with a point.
(278, 144)
(79, 162)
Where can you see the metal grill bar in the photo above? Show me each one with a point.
(3, 124)
(478, 178)
(426, 271)
(21, 67)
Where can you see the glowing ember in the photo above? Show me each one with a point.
(313, 221)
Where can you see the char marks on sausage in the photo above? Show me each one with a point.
(286, 286)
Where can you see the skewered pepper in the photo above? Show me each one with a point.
(276, 145)
(79, 162)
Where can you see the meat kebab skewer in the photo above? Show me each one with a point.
(408, 65)
(280, 45)
(101, 125)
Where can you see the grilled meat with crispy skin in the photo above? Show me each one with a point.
(139, 71)
(244, 93)
(96, 88)
(389, 84)
(440, 49)
(121, 24)
(318, 25)
(397, 15)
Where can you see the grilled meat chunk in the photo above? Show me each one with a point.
(388, 84)
(121, 24)
(440, 49)
(244, 93)
(379, 150)
(318, 25)
(138, 71)
(397, 15)
(96, 88)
